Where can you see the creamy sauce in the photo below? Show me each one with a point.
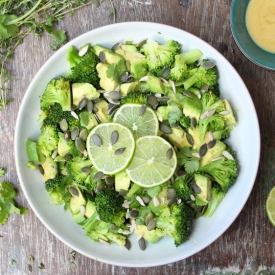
(260, 22)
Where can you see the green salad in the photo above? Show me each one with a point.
(133, 141)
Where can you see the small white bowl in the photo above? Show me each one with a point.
(245, 139)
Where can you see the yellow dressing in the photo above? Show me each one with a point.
(260, 22)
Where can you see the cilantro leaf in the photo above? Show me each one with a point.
(185, 158)
(4, 212)
(191, 166)
(7, 191)
(115, 70)
(174, 113)
(7, 30)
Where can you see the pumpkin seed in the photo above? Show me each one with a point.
(73, 191)
(112, 110)
(139, 199)
(254, 266)
(204, 88)
(194, 122)
(67, 135)
(98, 176)
(142, 110)
(100, 187)
(83, 134)
(190, 139)
(163, 98)
(122, 192)
(54, 154)
(114, 95)
(139, 236)
(151, 225)
(114, 137)
(97, 140)
(169, 153)
(110, 181)
(192, 197)
(82, 103)
(127, 244)
(152, 101)
(90, 106)
(97, 118)
(208, 65)
(68, 156)
(181, 172)
(165, 72)
(171, 193)
(102, 57)
(215, 159)
(124, 77)
(133, 213)
(173, 85)
(203, 150)
(224, 113)
(113, 101)
(74, 133)
(142, 244)
(80, 144)
(141, 43)
(156, 201)
(210, 112)
(187, 93)
(199, 96)
(82, 209)
(74, 114)
(86, 170)
(196, 188)
(146, 199)
(197, 155)
(120, 151)
(64, 126)
(166, 129)
(149, 217)
(138, 54)
(163, 80)
(172, 201)
(116, 46)
(211, 136)
(103, 242)
(144, 78)
(83, 51)
(190, 180)
(211, 144)
(204, 115)
(73, 107)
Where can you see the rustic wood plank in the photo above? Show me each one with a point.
(250, 236)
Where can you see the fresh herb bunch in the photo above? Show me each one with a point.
(20, 18)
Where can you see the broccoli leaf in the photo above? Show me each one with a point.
(116, 70)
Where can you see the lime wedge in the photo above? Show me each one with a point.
(154, 161)
(141, 120)
(110, 147)
(270, 206)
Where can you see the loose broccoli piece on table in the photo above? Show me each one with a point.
(217, 194)
(176, 221)
(83, 68)
(109, 207)
(223, 170)
(179, 70)
(160, 56)
(57, 188)
(47, 141)
(57, 91)
(200, 76)
(183, 190)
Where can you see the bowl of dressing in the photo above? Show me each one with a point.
(253, 28)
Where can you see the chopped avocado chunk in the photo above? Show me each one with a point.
(87, 120)
(178, 138)
(83, 90)
(110, 56)
(152, 236)
(122, 181)
(105, 83)
(192, 107)
(127, 88)
(102, 113)
(77, 201)
(50, 168)
(204, 185)
(230, 118)
(63, 146)
(78, 217)
(155, 85)
(90, 209)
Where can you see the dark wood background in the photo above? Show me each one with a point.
(250, 237)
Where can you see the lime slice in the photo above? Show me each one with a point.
(141, 120)
(154, 161)
(270, 206)
(110, 147)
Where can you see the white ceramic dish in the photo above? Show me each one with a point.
(245, 139)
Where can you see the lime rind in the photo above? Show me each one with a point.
(150, 166)
(104, 157)
(270, 206)
(141, 125)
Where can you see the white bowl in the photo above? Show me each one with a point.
(245, 139)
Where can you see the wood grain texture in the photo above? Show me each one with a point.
(250, 236)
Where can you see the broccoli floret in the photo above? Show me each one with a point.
(223, 170)
(217, 194)
(84, 180)
(160, 56)
(47, 141)
(57, 188)
(185, 122)
(109, 207)
(83, 68)
(200, 76)
(30, 164)
(58, 90)
(176, 221)
(183, 190)
(179, 70)
(134, 97)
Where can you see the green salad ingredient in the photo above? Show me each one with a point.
(133, 141)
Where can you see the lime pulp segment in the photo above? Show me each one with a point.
(110, 147)
(141, 120)
(154, 161)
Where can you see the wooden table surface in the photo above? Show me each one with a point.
(250, 237)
